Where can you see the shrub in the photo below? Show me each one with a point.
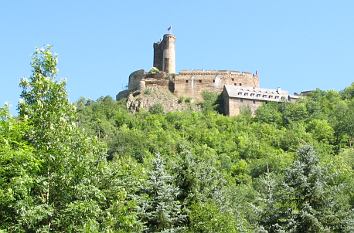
(156, 109)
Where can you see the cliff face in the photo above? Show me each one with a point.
(152, 96)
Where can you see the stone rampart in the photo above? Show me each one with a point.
(193, 83)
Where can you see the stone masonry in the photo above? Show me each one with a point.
(192, 83)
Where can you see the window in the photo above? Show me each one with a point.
(213, 80)
(232, 79)
(200, 81)
(258, 95)
(235, 84)
(240, 84)
(240, 93)
(186, 81)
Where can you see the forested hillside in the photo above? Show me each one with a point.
(92, 166)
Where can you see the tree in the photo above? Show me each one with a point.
(305, 201)
(269, 113)
(348, 92)
(211, 101)
(66, 186)
(18, 172)
(162, 211)
(207, 217)
(343, 121)
(321, 130)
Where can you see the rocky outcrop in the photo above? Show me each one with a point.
(150, 96)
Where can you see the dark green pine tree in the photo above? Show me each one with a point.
(306, 200)
(162, 211)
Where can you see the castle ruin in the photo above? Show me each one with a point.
(239, 89)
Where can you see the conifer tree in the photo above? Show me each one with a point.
(305, 201)
(162, 211)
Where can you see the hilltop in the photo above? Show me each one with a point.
(96, 167)
(237, 90)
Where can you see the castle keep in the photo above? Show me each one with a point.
(165, 54)
(239, 89)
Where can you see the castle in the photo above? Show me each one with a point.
(239, 89)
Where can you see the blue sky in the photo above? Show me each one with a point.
(297, 45)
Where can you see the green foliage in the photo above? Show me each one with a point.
(348, 93)
(162, 211)
(269, 113)
(305, 201)
(321, 130)
(219, 162)
(183, 99)
(207, 217)
(94, 167)
(147, 91)
(211, 101)
(18, 170)
(154, 70)
(64, 192)
(156, 109)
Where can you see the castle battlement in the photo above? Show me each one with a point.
(215, 72)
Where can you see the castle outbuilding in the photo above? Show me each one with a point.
(192, 83)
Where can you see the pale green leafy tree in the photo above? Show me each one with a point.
(18, 170)
(67, 193)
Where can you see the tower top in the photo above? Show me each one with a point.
(164, 54)
(169, 35)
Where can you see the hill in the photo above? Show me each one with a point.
(94, 166)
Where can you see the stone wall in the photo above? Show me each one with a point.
(194, 83)
(158, 54)
(234, 106)
(162, 84)
(134, 79)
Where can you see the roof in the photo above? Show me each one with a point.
(262, 94)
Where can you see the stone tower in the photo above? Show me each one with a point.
(165, 54)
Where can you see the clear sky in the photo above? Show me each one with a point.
(296, 45)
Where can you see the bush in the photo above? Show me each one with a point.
(156, 109)
(212, 101)
(154, 70)
(147, 91)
